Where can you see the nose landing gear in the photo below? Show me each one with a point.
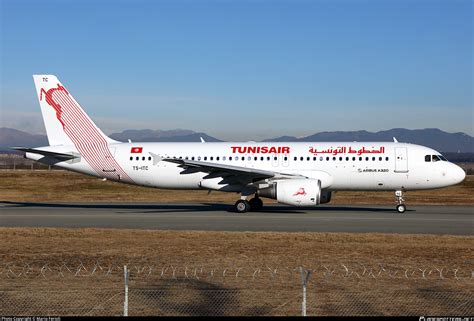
(401, 208)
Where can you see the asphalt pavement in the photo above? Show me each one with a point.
(457, 220)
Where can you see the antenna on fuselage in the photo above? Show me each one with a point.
(395, 140)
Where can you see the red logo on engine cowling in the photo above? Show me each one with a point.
(301, 191)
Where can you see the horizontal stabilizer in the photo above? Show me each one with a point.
(60, 156)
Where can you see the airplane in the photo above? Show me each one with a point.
(297, 173)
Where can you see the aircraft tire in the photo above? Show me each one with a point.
(401, 208)
(242, 206)
(256, 204)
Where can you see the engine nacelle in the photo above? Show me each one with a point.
(298, 192)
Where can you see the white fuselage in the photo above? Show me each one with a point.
(339, 165)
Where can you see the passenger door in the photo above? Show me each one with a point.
(401, 160)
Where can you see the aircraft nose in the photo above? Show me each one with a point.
(458, 174)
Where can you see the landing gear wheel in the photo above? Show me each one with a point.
(242, 206)
(256, 204)
(401, 208)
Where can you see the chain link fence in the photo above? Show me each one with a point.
(97, 289)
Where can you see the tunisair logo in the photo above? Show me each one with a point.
(260, 149)
(49, 99)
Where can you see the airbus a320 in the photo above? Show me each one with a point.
(297, 174)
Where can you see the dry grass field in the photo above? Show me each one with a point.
(62, 186)
(39, 245)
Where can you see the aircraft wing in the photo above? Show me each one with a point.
(229, 173)
(60, 156)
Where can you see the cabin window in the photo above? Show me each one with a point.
(223, 157)
(386, 158)
(296, 158)
(255, 158)
(217, 158)
(230, 158)
(286, 158)
(137, 158)
(149, 158)
(261, 158)
(131, 157)
(334, 158)
(268, 158)
(340, 158)
(347, 158)
(327, 158)
(321, 158)
(380, 158)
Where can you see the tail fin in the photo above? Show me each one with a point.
(65, 121)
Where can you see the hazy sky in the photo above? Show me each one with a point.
(244, 69)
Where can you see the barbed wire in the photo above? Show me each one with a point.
(180, 271)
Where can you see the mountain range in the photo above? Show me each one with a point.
(175, 135)
(431, 137)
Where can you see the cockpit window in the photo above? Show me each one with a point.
(435, 158)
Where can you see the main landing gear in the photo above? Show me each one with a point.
(401, 208)
(243, 206)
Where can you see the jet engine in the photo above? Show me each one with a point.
(298, 192)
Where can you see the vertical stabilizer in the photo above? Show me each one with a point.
(65, 121)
